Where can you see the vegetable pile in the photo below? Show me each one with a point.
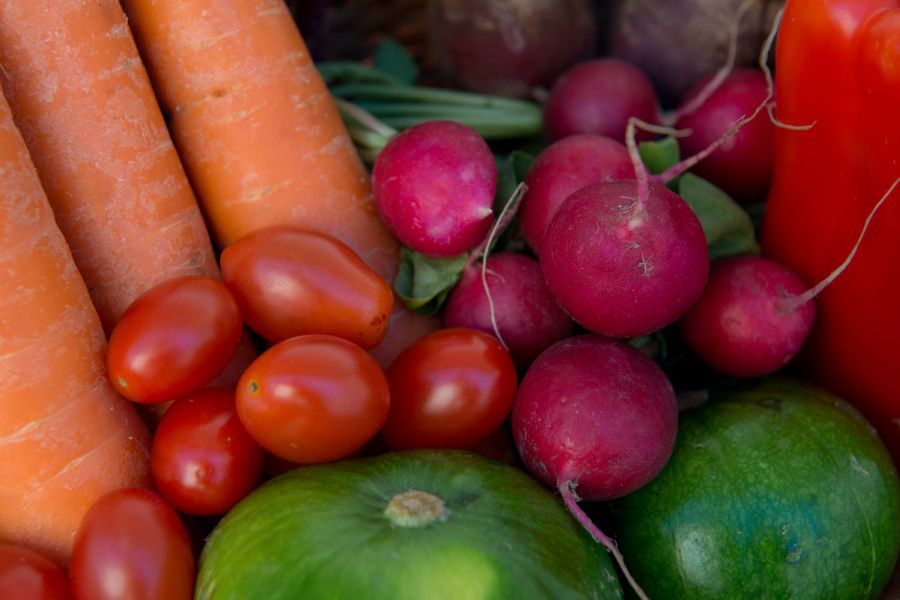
(262, 315)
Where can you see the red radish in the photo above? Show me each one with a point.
(596, 419)
(599, 96)
(434, 186)
(744, 324)
(755, 313)
(527, 317)
(564, 168)
(620, 267)
(743, 165)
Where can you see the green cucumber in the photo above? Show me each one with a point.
(413, 525)
(777, 490)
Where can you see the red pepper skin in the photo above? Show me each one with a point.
(838, 65)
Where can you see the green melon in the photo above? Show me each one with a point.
(777, 490)
(415, 525)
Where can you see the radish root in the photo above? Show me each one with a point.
(503, 219)
(770, 82)
(716, 82)
(795, 302)
(567, 491)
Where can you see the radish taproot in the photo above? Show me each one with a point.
(527, 318)
(596, 419)
(743, 165)
(563, 168)
(599, 96)
(434, 187)
(621, 267)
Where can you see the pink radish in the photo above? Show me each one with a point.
(527, 317)
(562, 169)
(755, 313)
(622, 267)
(743, 166)
(599, 96)
(595, 419)
(434, 186)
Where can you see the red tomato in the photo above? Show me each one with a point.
(175, 338)
(26, 575)
(131, 544)
(313, 398)
(203, 460)
(451, 389)
(291, 282)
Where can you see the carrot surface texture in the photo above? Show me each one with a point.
(260, 136)
(65, 437)
(83, 102)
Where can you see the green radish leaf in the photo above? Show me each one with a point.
(728, 228)
(510, 174)
(424, 282)
(345, 72)
(659, 155)
(393, 59)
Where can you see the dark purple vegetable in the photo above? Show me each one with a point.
(508, 47)
(679, 41)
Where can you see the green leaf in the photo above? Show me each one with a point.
(510, 174)
(728, 228)
(660, 155)
(423, 282)
(343, 72)
(393, 59)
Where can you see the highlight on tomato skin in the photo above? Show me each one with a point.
(173, 339)
(28, 575)
(451, 389)
(313, 398)
(132, 544)
(203, 461)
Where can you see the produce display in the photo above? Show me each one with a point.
(448, 299)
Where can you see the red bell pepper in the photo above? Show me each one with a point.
(838, 65)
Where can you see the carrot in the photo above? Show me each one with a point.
(84, 104)
(65, 437)
(260, 137)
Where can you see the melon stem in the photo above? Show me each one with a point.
(567, 491)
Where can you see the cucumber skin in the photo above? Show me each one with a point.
(774, 490)
(318, 532)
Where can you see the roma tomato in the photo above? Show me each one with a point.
(27, 575)
(131, 544)
(313, 398)
(203, 460)
(451, 389)
(291, 282)
(173, 339)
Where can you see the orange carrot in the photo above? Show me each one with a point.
(262, 141)
(260, 137)
(83, 102)
(65, 437)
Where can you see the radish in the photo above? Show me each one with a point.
(562, 169)
(599, 96)
(527, 318)
(434, 187)
(743, 166)
(755, 313)
(595, 419)
(622, 267)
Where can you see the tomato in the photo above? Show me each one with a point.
(175, 338)
(291, 282)
(26, 575)
(203, 460)
(131, 544)
(451, 389)
(313, 398)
